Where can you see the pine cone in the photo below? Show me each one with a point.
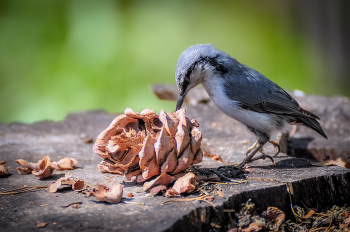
(146, 145)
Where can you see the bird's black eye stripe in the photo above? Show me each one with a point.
(186, 81)
(189, 71)
(185, 84)
(213, 61)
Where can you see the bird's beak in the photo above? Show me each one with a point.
(180, 101)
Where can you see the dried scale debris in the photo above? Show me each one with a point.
(185, 184)
(65, 164)
(248, 220)
(45, 167)
(334, 219)
(42, 169)
(273, 219)
(207, 190)
(145, 145)
(41, 224)
(207, 152)
(3, 170)
(275, 216)
(158, 184)
(338, 162)
(110, 195)
(66, 181)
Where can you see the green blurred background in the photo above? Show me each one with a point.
(61, 56)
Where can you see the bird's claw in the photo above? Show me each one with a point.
(275, 144)
(251, 148)
(263, 156)
(247, 161)
(257, 148)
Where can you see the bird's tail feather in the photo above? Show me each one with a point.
(309, 114)
(313, 124)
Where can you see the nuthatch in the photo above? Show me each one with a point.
(241, 93)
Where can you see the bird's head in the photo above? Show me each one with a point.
(195, 64)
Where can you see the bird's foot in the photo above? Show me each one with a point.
(247, 161)
(263, 156)
(251, 148)
(275, 144)
(255, 149)
(243, 163)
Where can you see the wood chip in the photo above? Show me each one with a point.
(41, 224)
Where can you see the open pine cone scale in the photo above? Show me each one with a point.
(145, 144)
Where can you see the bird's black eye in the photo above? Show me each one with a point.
(186, 82)
(184, 85)
(189, 71)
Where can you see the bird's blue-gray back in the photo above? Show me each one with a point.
(256, 92)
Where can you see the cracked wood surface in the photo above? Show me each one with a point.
(266, 183)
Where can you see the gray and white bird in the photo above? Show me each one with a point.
(241, 93)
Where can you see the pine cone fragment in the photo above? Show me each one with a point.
(42, 169)
(65, 181)
(146, 145)
(185, 184)
(110, 195)
(3, 170)
(45, 167)
(65, 164)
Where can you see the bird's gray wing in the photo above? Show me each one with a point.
(255, 92)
